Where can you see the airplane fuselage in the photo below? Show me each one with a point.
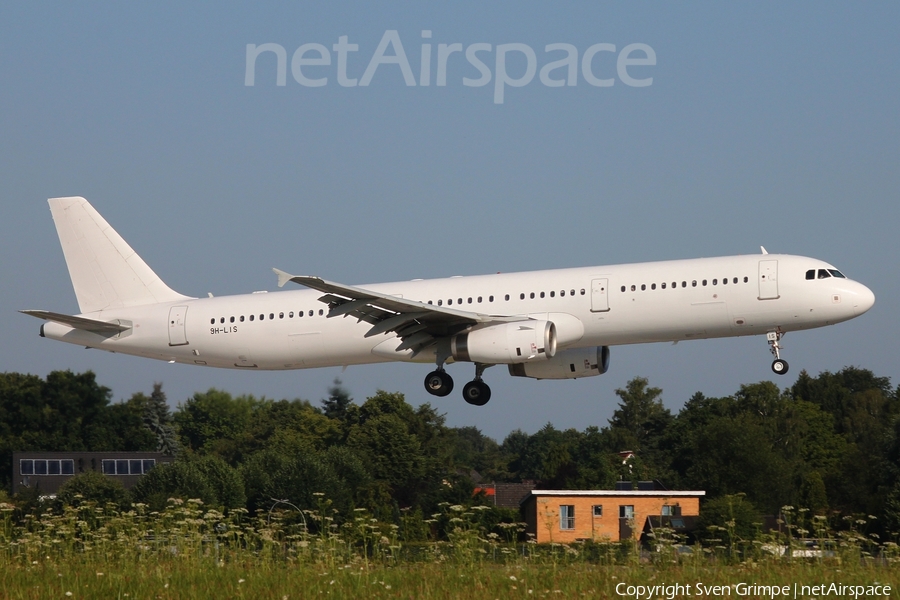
(590, 306)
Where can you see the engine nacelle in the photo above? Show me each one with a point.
(568, 364)
(517, 342)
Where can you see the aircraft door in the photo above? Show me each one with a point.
(177, 334)
(599, 295)
(768, 279)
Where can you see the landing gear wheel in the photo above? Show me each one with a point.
(438, 383)
(477, 393)
(780, 366)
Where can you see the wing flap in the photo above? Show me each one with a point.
(417, 324)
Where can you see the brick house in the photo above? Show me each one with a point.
(565, 516)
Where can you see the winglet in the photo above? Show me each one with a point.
(763, 249)
(283, 277)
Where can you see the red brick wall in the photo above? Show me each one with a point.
(542, 515)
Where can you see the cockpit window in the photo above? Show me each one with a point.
(811, 274)
(836, 273)
(824, 274)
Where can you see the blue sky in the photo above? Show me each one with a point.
(766, 124)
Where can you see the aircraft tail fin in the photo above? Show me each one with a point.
(105, 271)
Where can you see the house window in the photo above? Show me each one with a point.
(598, 510)
(41, 466)
(127, 467)
(626, 511)
(567, 516)
(668, 510)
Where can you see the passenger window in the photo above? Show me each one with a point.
(212, 321)
(823, 274)
(715, 281)
(553, 293)
(242, 318)
(653, 286)
(470, 301)
(299, 314)
(746, 279)
(684, 284)
(704, 283)
(222, 320)
(663, 285)
(291, 315)
(633, 287)
(643, 287)
(231, 319)
(542, 294)
(262, 317)
(506, 297)
(734, 280)
(459, 300)
(623, 289)
(251, 317)
(521, 296)
(271, 315)
(725, 281)
(694, 283)
(479, 299)
(281, 315)
(440, 302)
(582, 292)
(811, 274)
(449, 301)
(311, 313)
(674, 284)
(490, 298)
(321, 311)
(563, 292)
(531, 295)
(429, 302)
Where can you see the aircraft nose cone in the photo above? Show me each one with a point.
(865, 299)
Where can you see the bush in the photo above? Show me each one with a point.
(180, 479)
(93, 486)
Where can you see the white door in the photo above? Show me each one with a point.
(768, 279)
(599, 295)
(177, 335)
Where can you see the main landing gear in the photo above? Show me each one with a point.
(476, 392)
(779, 366)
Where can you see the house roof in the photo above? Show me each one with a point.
(622, 493)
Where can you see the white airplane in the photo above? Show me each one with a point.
(556, 324)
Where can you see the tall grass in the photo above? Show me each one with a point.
(193, 551)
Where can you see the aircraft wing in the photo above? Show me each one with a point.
(417, 324)
(99, 327)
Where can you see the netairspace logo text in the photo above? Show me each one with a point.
(314, 65)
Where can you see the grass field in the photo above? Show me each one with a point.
(189, 551)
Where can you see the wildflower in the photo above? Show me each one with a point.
(68, 593)
(241, 580)
(512, 578)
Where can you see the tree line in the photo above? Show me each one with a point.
(829, 444)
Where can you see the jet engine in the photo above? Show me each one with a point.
(517, 342)
(568, 364)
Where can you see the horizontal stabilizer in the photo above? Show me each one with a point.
(99, 327)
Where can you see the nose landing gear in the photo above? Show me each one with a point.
(779, 366)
